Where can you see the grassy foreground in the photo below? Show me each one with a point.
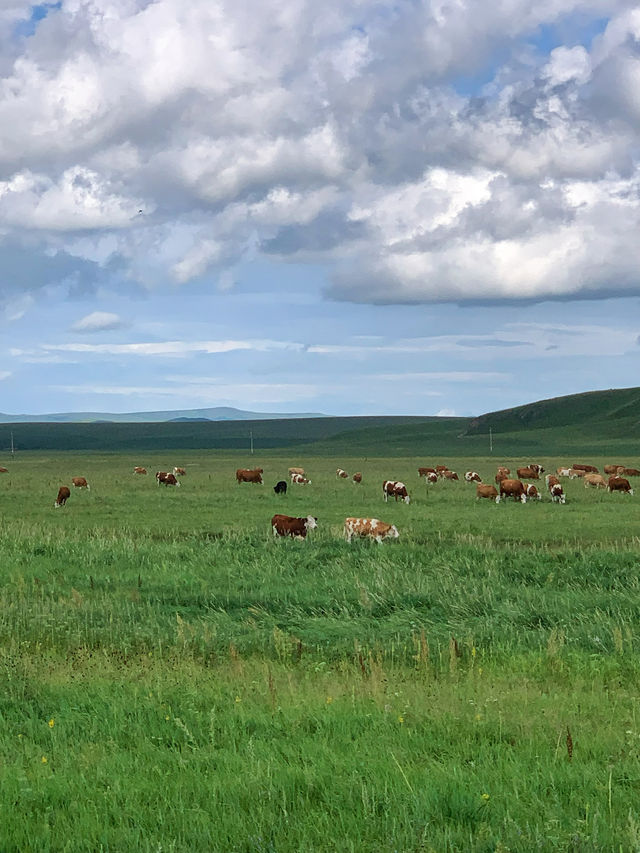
(174, 679)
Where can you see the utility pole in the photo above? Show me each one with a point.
(12, 447)
(490, 441)
(251, 440)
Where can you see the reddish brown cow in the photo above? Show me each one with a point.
(588, 469)
(527, 474)
(500, 476)
(246, 475)
(512, 489)
(64, 492)
(631, 472)
(357, 477)
(422, 472)
(486, 490)
(139, 470)
(80, 483)
(166, 478)
(531, 492)
(4, 470)
(613, 469)
(440, 468)
(619, 484)
(450, 475)
(287, 525)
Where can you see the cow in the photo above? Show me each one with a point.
(179, 472)
(340, 474)
(166, 478)
(551, 480)
(370, 528)
(431, 478)
(595, 480)
(557, 494)
(450, 475)
(139, 470)
(500, 476)
(472, 477)
(4, 470)
(486, 490)
(395, 489)
(296, 471)
(503, 470)
(512, 489)
(440, 468)
(245, 475)
(535, 467)
(422, 472)
(64, 492)
(527, 474)
(588, 469)
(576, 472)
(300, 479)
(357, 477)
(531, 492)
(631, 472)
(619, 484)
(613, 469)
(80, 483)
(280, 488)
(287, 525)
(565, 472)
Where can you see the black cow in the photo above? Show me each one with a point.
(280, 488)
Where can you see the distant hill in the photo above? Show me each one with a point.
(217, 413)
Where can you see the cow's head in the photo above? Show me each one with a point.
(310, 522)
(393, 532)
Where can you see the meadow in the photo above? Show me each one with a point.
(174, 679)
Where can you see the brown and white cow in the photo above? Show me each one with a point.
(300, 480)
(371, 528)
(422, 472)
(287, 525)
(395, 489)
(246, 475)
(502, 474)
(563, 471)
(512, 489)
(440, 468)
(341, 474)
(431, 478)
(619, 484)
(532, 492)
(486, 490)
(296, 471)
(577, 472)
(4, 470)
(357, 477)
(613, 469)
(179, 472)
(551, 480)
(527, 474)
(80, 483)
(450, 475)
(588, 469)
(472, 477)
(139, 470)
(166, 478)
(595, 480)
(64, 492)
(557, 493)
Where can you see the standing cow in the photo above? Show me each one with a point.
(370, 528)
(80, 483)
(395, 489)
(287, 525)
(64, 493)
(280, 488)
(166, 478)
(619, 484)
(512, 489)
(246, 475)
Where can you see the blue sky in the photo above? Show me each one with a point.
(413, 208)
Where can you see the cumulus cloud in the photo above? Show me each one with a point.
(98, 321)
(333, 133)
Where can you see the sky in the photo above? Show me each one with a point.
(350, 207)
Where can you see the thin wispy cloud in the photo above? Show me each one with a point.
(98, 321)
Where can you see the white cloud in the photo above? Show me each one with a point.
(5, 374)
(98, 321)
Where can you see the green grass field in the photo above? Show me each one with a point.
(176, 680)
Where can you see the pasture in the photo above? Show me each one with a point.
(174, 679)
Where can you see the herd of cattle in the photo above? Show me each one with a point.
(373, 528)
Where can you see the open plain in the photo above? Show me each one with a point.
(175, 679)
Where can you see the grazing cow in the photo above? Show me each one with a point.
(179, 472)
(565, 472)
(296, 471)
(166, 478)
(432, 477)
(527, 474)
(280, 488)
(357, 477)
(535, 467)
(341, 474)
(80, 483)
(631, 472)
(613, 469)
(576, 472)
(619, 484)
(486, 490)
(595, 480)
(440, 468)
(551, 480)
(472, 477)
(512, 489)
(531, 492)
(588, 469)
(395, 489)
(422, 472)
(371, 528)
(300, 479)
(139, 470)
(557, 494)
(287, 525)
(450, 475)
(244, 475)
(64, 492)
(4, 470)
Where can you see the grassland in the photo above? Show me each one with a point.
(175, 679)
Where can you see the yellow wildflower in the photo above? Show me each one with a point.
(52, 723)
(238, 699)
(329, 700)
(400, 718)
(167, 717)
(485, 797)
(44, 759)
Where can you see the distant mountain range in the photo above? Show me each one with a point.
(218, 413)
